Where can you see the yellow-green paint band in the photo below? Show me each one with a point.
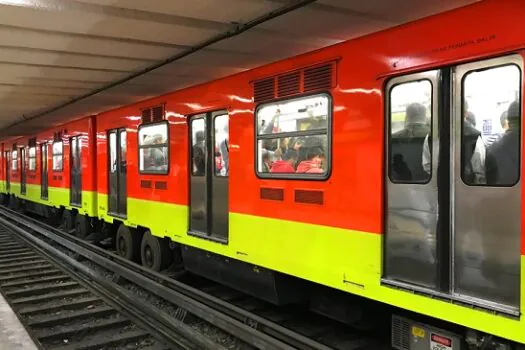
(343, 259)
(57, 197)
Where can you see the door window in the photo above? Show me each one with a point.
(410, 127)
(490, 138)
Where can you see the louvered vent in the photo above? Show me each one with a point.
(309, 197)
(264, 90)
(320, 77)
(31, 142)
(157, 113)
(146, 116)
(274, 194)
(153, 114)
(289, 84)
(400, 333)
(57, 136)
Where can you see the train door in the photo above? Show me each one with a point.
(23, 171)
(43, 171)
(117, 172)
(76, 172)
(209, 171)
(453, 220)
(7, 172)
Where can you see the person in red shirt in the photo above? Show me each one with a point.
(287, 162)
(314, 161)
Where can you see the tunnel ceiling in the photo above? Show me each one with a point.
(65, 59)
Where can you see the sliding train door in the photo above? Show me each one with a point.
(7, 172)
(23, 171)
(209, 170)
(453, 192)
(117, 150)
(44, 174)
(75, 192)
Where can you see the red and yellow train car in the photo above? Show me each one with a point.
(386, 167)
(53, 173)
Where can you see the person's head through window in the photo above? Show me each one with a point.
(415, 114)
(287, 163)
(199, 136)
(513, 116)
(313, 163)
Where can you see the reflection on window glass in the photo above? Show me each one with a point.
(410, 122)
(113, 152)
(293, 136)
(32, 158)
(58, 148)
(123, 151)
(44, 157)
(198, 149)
(154, 148)
(293, 115)
(14, 160)
(490, 139)
(222, 150)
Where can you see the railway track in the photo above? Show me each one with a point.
(254, 323)
(59, 310)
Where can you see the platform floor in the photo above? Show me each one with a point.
(13, 335)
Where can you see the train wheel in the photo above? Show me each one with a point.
(155, 253)
(82, 226)
(128, 243)
(68, 221)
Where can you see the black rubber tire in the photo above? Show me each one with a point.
(82, 226)
(154, 252)
(127, 243)
(68, 221)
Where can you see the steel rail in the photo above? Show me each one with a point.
(244, 325)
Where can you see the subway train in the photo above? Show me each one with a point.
(383, 172)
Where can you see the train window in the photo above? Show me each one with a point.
(410, 158)
(293, 138)
(113, 152)
(14, 160)
(153, 148)
(222, 152)
(198, 147)
(490, 137)
(58, 156)
(32, 158)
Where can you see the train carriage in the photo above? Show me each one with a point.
(51, 174)
(386, 167)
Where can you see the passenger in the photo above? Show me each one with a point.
(267, 163)
(287, 164)
(503, 156)
(473, 151)
(225, 153)
(407, 145)
(199, 154)
(504, 126)
(313, 164)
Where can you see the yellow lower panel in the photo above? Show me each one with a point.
(343, 259)
(57, 197)
(3, 188)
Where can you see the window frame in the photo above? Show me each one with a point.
(53, 157)
(14, 161)
(167, 145)
(416, 78)
(462, 94)
(29, 159)
(328, 133)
